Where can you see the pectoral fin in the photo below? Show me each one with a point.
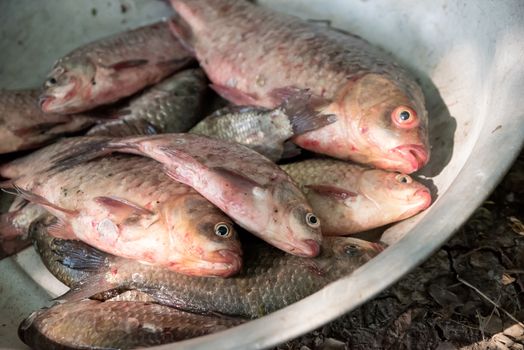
(121, 209)
(240, 181)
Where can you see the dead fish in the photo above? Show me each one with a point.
(248, 187)
(173, 105)
(127, 206)
(108, 69)
(92, 324)
(349, 198)
(24, 126)
(269, 280)
(254, 55)
(262, 129)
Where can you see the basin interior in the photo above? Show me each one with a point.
(464, 59)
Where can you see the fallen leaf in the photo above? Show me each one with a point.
(507, 279)
(516, 225)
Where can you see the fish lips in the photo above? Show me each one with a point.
(308, 248)
(421, 200)
(220, 263)
(412, 158)
(44, 101)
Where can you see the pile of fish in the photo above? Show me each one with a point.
(173, 211)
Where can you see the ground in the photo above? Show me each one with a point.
(469, 295)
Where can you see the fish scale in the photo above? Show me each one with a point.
(173, 105)
(118, 48)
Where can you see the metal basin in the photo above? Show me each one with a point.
(467, 56)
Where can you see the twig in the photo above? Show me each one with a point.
(491, 301)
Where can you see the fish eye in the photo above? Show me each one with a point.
(312, 220)
(352, 250)
(403, 179)
(405, 117)
(223, 229)
(50, 82)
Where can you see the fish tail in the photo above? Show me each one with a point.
(300, 107)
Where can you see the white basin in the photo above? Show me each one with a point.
(468, 57)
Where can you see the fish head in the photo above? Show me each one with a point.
(386, 125)
(343, 255)
(67, 86)
(397, 196)
(293, 226)
(205, 237)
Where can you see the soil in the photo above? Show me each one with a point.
(469, 295)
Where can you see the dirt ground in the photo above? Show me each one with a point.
(469, 295)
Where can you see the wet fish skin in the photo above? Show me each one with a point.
(24, 126)
(111, 68)
(350, 198)
(248, 187)
(114, 325)
(368, 91)
(262, 129)
(173, 105)
(269, 280)
(127, 206)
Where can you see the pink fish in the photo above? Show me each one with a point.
(256, 56)
(247, 186)
(111, 68)
(125, 205)
(349, 198)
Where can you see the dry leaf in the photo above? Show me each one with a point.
(507, 279)
(516, 225)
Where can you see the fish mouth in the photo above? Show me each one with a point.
(413, 158)
(44, 101)
(308, 248)
(425, 197)
(421, 200)
(219, 263)
(223, 263)
(378, 247)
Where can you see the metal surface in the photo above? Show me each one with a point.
(467, 56)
